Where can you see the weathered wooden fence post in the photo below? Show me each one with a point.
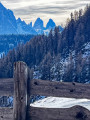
(30, 77)
(20, 91)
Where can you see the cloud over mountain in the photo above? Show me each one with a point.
(29, 10)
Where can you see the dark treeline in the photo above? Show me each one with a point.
(8, 42)
(43, 51)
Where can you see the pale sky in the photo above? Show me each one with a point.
(58, 10)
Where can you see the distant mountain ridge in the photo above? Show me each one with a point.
(23, 28)
(7, 21)
(10, 25)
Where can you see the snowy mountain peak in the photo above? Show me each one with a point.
(30, 24)
(19, 20)
(38, 24)
(50, 24)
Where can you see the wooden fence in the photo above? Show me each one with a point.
(21, 87)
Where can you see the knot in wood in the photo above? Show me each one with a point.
(71, 90)
(81, 115)
(35, 83)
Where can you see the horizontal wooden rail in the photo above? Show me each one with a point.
(6, 113)
(50, 114)
(6, 87)
(59, 89)
(74, 113)
(47, 88)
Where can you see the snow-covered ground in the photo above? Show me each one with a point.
(56, 102)
(1, 54)
(86, 50)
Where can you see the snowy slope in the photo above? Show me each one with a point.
(60, 65)
(56, 102)
(86, 49)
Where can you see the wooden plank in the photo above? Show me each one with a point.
(74, 113)
(6, 87)
(47, 88)
(6, 113)
(59, 89)
(20, 91)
